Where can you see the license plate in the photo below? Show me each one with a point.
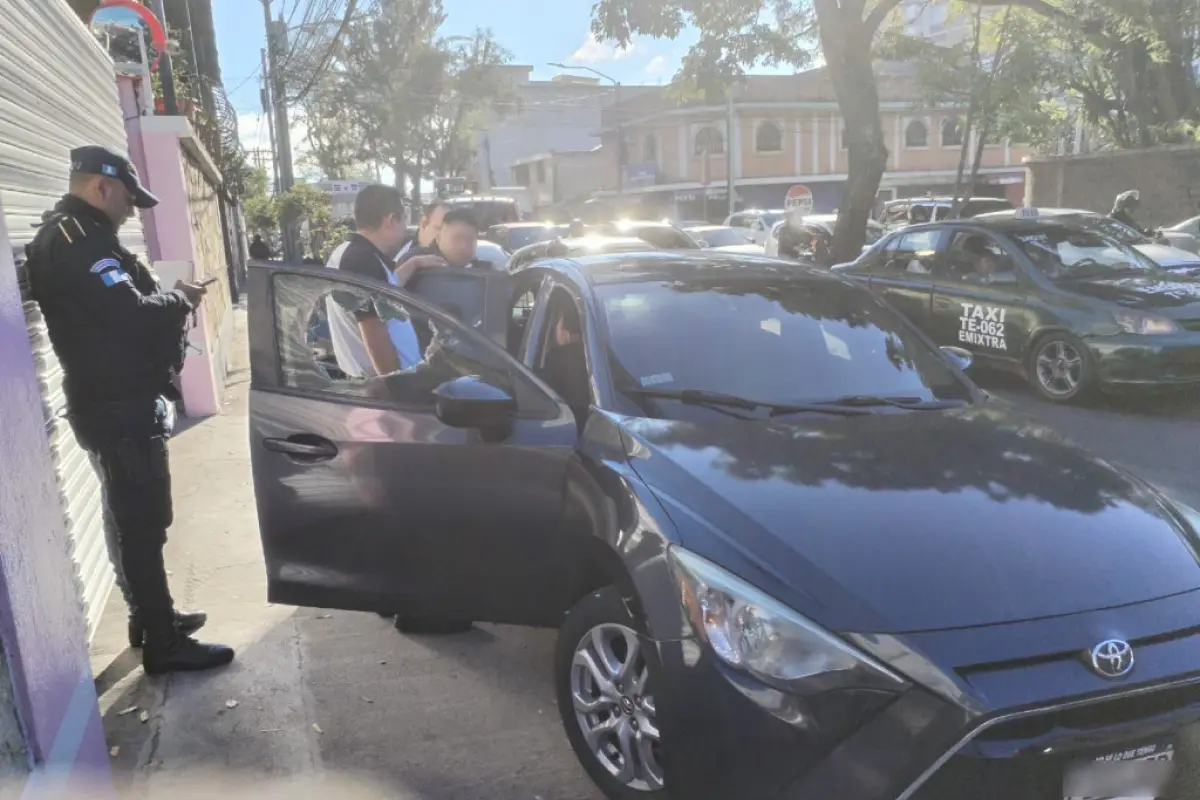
(1133, 774)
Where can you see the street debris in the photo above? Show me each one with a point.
(114, 751)
(127, 711)
(317, 728)
(231, 703)
(144, 717)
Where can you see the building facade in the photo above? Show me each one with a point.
(559, 181)
(341, 195)
(559, 115)
(784, 131)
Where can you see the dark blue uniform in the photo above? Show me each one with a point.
(121, 342)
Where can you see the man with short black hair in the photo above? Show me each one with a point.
(366, 345)
(454, 246)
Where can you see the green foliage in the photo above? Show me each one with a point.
(310, 207)
(260, 209)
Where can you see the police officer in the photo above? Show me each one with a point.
(121, 342)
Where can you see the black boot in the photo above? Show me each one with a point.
(183, 654)
(187, 622)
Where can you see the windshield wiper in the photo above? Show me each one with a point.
(703, 397)
(910, 403)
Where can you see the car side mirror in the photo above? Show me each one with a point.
(962, 358)
(471, 402)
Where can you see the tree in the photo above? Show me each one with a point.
(473, 89)
(1131, 64)
(736, 35)
(259, 208)
(311, 209)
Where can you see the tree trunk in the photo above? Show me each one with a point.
(418, 166)
(846, 43)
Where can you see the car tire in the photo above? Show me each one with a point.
(431, 625)
(601, 631)
(1061, 369)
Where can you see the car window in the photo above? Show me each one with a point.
(519, 237)
(323, 350)
(835, 338)
(525, 289)
(895, 213)
(912, 252)
(1073, 253)
(1106, 226)
(666, 238)
(561, 360)
(975, 258)
(768, 220)
(720, 237)
(919, 213)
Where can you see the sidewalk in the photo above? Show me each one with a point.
(216, 564)
(316, 697)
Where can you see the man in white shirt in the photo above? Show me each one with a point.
(364, 344)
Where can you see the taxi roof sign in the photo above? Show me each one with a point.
(1027, 212)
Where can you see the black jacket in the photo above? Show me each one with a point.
(120, 339)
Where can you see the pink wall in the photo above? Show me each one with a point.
(155, 144)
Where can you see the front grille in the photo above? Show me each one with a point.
(1035, 775)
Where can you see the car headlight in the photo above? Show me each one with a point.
(754, 633)
(1140, 322)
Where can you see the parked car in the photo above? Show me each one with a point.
(1185, 235)
(815, 235)
(857, 577)
(916, 210)
(724, 238)
(1070, 309)
(758, 222)
(488, 210)
(493, 254)
(663, 235)
(513, 236)
(575, 247)
(1166, 256)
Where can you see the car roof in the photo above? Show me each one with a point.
(638, 223)
(659, 265)
(1003, 224)
(1042, 212)
(708, 228)
(527, 224)
(477, 198)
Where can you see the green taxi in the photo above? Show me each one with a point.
(1071, 310)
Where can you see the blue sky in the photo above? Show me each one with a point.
(535, 31)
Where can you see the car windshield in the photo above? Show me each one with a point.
(771, 340)
(664, 237)
(1073, 254)
(720, 237)
(519, 237)
(770, 219)
(1112, 229)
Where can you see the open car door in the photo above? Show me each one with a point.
(436, 490)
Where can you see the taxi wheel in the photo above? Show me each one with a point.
(1061, 369)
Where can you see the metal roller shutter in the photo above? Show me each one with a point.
(57, 91)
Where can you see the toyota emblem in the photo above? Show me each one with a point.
(1112, 658)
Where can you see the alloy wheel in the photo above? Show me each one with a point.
(1059, 368)
(614, 708)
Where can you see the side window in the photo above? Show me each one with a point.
(895, 214)
(561, 360)
(919, 213)
(975, 258)
(524, 295)
(345, 342)
(913, 253)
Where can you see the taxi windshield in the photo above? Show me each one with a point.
(1073, 254)
(836, 341)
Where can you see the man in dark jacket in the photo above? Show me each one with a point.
(121, 342)
(1124, 207)
(260, 250)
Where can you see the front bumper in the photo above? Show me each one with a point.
(1132, 360)
(1011, 734)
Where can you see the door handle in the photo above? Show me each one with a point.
(304, 446)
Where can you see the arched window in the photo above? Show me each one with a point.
(650, 149)
(952, 132)
(709, 140)
(768, 138)
(916, 134)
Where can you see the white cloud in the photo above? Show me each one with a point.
(657, 66)
(593, 50)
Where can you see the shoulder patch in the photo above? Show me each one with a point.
(105, 264)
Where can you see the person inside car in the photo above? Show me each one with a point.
(427, 228)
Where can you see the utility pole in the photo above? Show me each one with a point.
(165, 73)
(622, 149)
(729, 144)
(277, 41)
(269, 111)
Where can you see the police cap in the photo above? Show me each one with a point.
(93, 159)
